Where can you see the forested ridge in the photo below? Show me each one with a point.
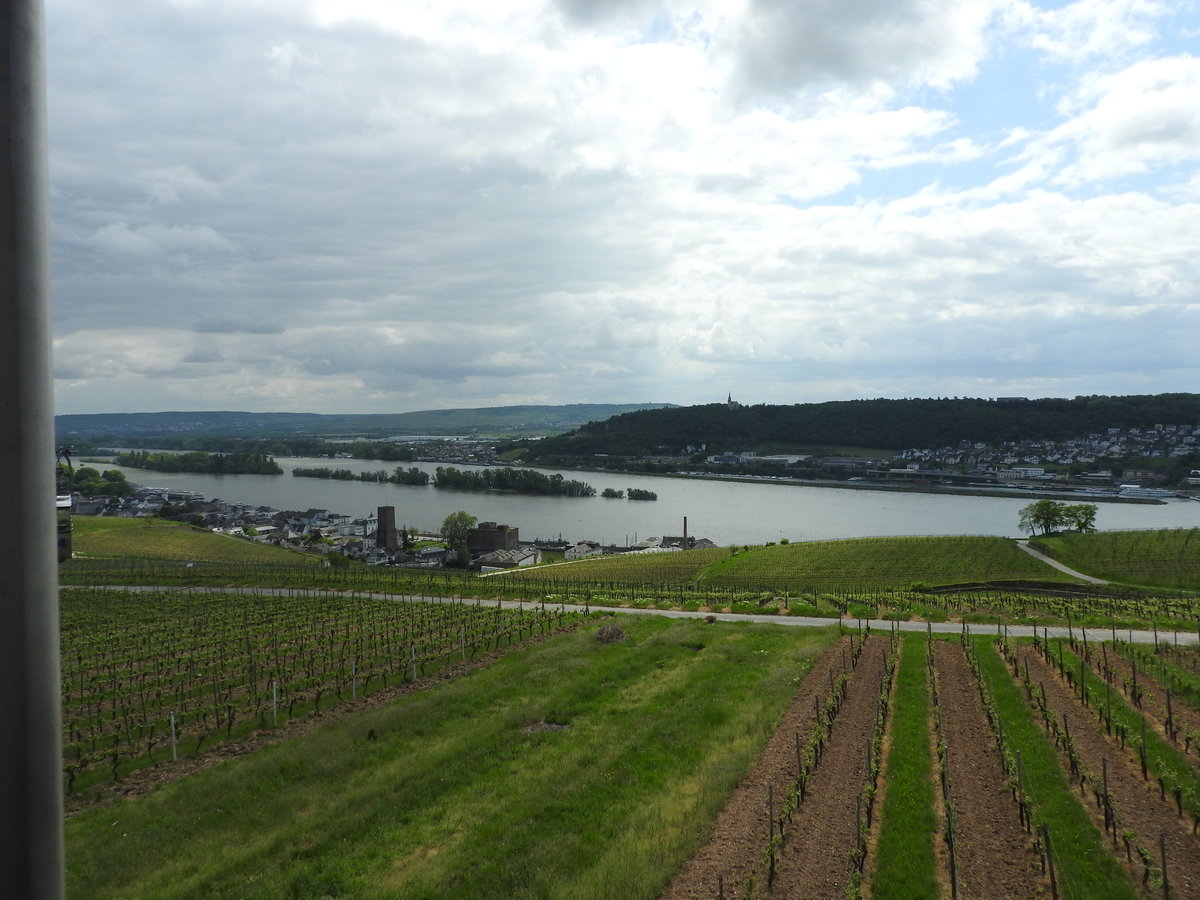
(878, 424)
(197, 430)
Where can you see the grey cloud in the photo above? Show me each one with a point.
(236, 325)
(786, 47)
(595, 12)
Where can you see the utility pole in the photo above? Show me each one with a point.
(31, 844)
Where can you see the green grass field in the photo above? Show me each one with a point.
(573, 768)
(111, 536)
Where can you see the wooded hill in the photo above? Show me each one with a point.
(879, 424)
(135, 429)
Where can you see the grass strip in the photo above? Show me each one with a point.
(905, 859)
(1084, 867)
(574, 768)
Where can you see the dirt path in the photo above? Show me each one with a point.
(814, 859)
(734, 852)
(1055, 564)
(995, 858)
(1137, 803)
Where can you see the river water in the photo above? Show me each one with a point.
(725, 512)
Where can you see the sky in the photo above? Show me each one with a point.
(370, 206)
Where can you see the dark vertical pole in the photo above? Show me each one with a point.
(31, 854)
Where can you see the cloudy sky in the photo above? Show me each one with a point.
(382, 205)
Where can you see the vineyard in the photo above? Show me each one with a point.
(150, 676)
(721, 760)
(580, 584)
(427, 745)
(862, 564)
(571, 767)
(870, 563)
(1161, 559)
(1011, 771)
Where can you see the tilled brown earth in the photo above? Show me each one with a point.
(995, 858)
(1137, 802)
(733, 853)
(814, 858)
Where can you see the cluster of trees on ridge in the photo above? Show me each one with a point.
(884, 424)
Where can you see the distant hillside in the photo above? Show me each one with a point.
(884, 424)
(496, 420)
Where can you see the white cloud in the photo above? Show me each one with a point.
(1140, 118)
(1089, 29)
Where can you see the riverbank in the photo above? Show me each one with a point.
(1075, 494)
(726, 510)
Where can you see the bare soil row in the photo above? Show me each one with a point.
(994, 855)
(814, 859)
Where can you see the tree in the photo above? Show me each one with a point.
(455, 528)
(1050, 515)
(1081, 517)
(1041, 515)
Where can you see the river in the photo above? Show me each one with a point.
(726, 512)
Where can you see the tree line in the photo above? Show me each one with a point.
(410, 476)
(634, 494)
(509, 478)
(199, 461)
